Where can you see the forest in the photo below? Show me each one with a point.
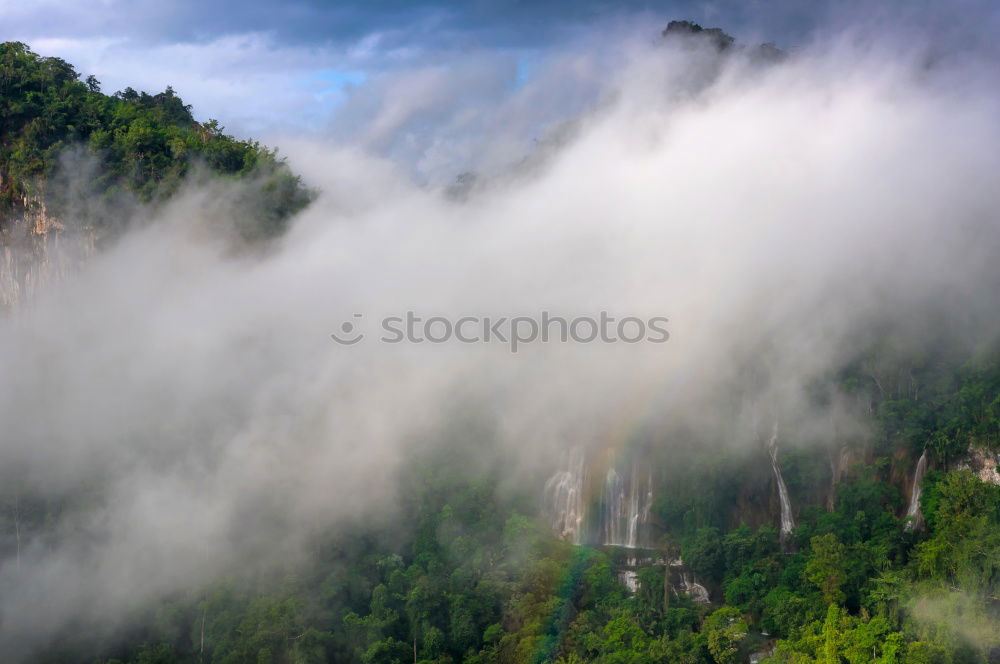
(469, 572)
(64, 143)
(468, 569)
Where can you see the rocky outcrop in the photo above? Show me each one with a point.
(984, 464)
(687, 29)
(717, 39)
(841, 461)
(678, 579)
(37, 248)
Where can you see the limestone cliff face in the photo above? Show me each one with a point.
(841, 458)
(36, 248)
(984, 463)
(757, 501)
(902, 471)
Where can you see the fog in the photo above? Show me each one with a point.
(190, 399)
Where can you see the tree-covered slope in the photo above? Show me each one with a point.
(55, 128)
(468, 572)
(464, 567)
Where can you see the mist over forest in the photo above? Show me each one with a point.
(732, 389)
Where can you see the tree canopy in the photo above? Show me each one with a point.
(57, 131)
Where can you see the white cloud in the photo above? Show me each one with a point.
(197, 399)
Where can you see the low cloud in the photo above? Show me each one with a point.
(192, 411)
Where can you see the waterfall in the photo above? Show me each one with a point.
(697, 592)
(613, 500)
(623, 511)
(626, 507)
(787, 522)
(627, 569)
(913, 512)
(687, 582)
(630, 579)
(563, 503)
(642, 503)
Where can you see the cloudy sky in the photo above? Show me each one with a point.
(269, 68)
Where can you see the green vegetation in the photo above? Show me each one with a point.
(65, 144)
(473, 575)
(474, 579)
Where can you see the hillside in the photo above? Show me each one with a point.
(469, 573)
(72, 156)
(857, 521)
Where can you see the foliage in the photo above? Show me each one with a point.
(64, 144)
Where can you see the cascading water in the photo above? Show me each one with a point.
(626, 508)
(643, 497)
(563, 502)
(625, 504)
(787, 522)
(695, 590)
(630, 579)
(913, 511)
(687, 583)
(629, 575)
(613, 500)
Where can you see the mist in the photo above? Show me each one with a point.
(191, 401)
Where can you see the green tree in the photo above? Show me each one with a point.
(725, 630)
(826, 568)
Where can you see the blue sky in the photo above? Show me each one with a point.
(267, 66)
